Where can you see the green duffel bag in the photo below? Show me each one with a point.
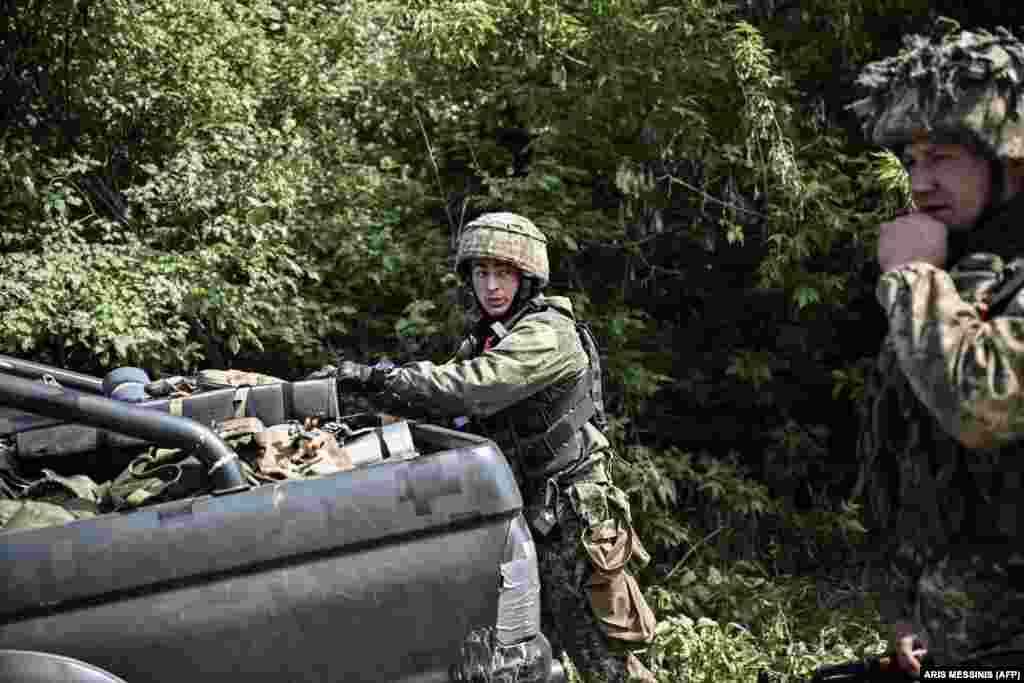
(17, 515)
(159, 475)
(163, 474)
(50, 501)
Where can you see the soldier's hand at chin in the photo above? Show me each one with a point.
(913, 237)
(908, 651)
(908, 658)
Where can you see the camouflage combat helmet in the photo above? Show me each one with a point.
(965, 87)
(505, 237)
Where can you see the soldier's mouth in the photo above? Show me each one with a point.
(936, 210)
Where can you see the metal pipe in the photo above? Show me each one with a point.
(154, 426)
(27, 368)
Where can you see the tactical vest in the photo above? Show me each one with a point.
(544, 430)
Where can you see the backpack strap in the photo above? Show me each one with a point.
(596, 391)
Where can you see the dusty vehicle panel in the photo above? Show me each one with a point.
(412, 569)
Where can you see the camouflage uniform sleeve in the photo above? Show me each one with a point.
(965, 370)
(531, 358)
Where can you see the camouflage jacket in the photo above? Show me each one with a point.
(941, 444)
(502, 387)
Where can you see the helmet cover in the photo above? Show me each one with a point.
(506, 237)
(965, 87)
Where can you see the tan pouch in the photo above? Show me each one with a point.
(274, 446)
(615, 596)
(233, 378)
(282, 455)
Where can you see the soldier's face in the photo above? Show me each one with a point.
(952, 183)
(495, 284)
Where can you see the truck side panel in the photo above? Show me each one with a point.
(43, 569)
(377, 574)
(395, 612)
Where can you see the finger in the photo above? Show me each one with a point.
(912, 664)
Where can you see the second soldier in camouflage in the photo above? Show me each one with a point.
(941, 445)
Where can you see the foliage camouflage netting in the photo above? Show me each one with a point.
(971, 80)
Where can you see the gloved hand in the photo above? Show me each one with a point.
(354, 377)
(323, 373)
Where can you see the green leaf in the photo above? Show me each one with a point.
(406, 327)
(632, 376)
(617, 326)
(734, 234)
(420, 307)
(806, 296)
(551, 183)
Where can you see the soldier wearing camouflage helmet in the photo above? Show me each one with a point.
(524, 378)
(942, 442)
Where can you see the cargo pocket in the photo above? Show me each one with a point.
(609, 542)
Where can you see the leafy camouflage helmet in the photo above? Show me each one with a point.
(965, 87)
(505, 237)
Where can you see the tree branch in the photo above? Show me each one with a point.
(437, 171)
(706, 196)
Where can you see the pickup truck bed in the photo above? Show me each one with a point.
(411, 569)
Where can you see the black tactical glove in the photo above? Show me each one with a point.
(360, 378)
(323, 373)
(353, 377)
(356, 378)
